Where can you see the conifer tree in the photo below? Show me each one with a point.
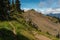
(8, 3)
(13, 5)
(4, 6)
(18, 5)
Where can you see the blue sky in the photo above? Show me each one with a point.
(30, 3)
(41, 5)
(44, 6)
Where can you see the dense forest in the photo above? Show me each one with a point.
(8, 6)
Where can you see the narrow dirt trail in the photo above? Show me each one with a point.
(40, 37)
(13, 28)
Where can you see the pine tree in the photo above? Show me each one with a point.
(4, 6)
(1, 4)
(18, 5)
(13, 5)
(8, 5)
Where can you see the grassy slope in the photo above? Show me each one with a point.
(22, 28)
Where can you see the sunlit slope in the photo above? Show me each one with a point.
(44, 24)
(20, 28)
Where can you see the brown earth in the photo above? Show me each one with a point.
(40, 37)
(44, 24)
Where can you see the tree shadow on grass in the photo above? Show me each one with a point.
(6, 34)
(6, 19)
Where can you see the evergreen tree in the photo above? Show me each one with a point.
(1, 4)
(13, 5)
(8, 4)
(18, 5)
(4, 6)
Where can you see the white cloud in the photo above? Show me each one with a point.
(49, 3)
(51, 10)
(26, 9)
(56, 10)
(46, 11)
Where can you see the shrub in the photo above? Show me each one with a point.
(58, 35)
(48, 33)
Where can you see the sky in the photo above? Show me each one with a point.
(44, 6)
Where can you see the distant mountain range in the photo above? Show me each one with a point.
(54, 15)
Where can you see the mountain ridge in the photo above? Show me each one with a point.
(42, 22)
(54, 15)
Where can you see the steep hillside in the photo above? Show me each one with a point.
(42, 22)
(53, 19)
(18, 29)
(28, 26)
(15, 30)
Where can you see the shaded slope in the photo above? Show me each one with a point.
(6, 34)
